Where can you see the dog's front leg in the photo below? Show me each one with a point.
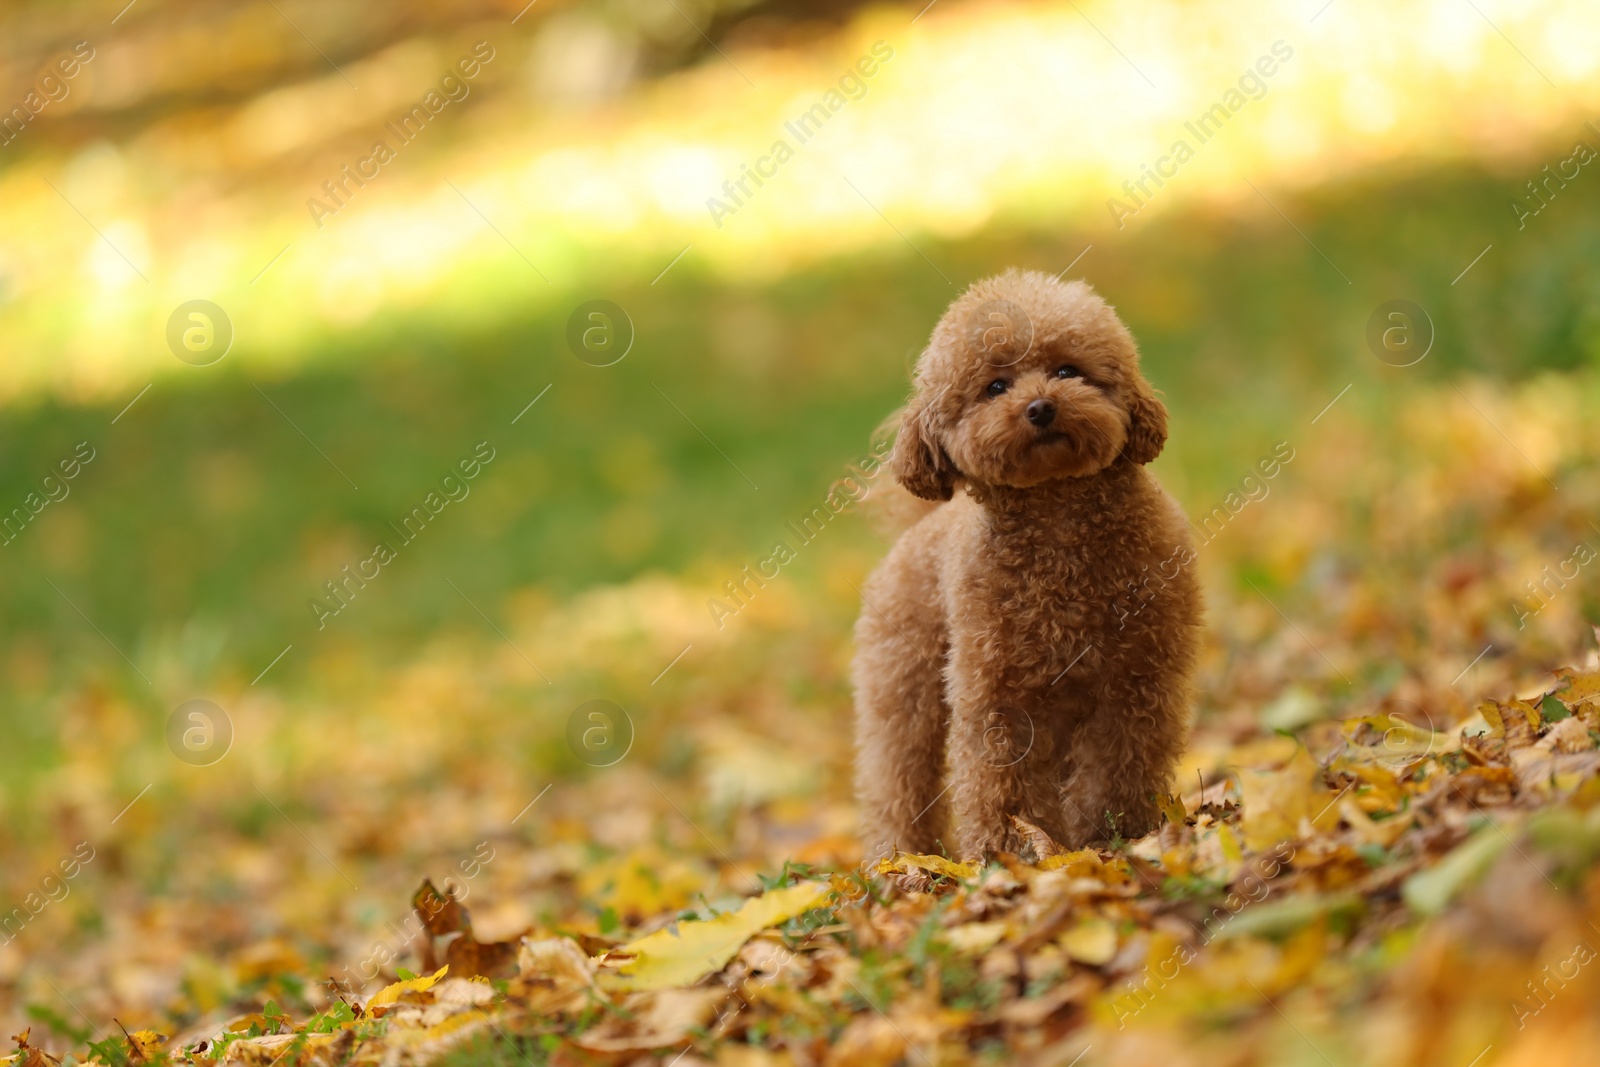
(994, 751)
(1123, 755)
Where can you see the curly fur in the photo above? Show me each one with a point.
(999, 668)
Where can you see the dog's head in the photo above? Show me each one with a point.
(1025, 380)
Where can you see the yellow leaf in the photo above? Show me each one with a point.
(1385, 792)
(931, 864)
(1383, 833)
(1093, 942)
(391, 993)
(1172, 807)
(144, 1044)
(1230, 844)
(1084, 863)
(668, 959)
(1530, 714)
(1178, 862)
(1303, 952)
(1491, 715)
(974, 939)
(1580, 685)
(1516, 722)
(641, 883)
(1275, 802)
(1393, 740)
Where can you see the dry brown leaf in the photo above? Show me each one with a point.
(663, 1019)
(28, 1056)
(1515, 722)
(441, 915)
(1485, 785)
(467, 956)
(869, 1041)
(1568, 735)
(1043, 844)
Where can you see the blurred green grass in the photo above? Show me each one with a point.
(208, 522)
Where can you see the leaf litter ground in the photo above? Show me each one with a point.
(1381, 848)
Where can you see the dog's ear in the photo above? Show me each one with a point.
(919, 461)
(1147, 424)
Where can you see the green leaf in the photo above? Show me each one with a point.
(1553, 710)
(1278, 918)
(58, 1023)
(1429, 892)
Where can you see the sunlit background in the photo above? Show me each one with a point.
(387, 328)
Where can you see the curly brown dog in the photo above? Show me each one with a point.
(1026, 648)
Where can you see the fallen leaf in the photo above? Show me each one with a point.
(1568, 735)
(145, 1043)
(1084, 863)
(1043, 844)
(1516, 722)
(904, 861)
(1427, 892)
(683, 955)
(28, 1056)
(869, 1041)
(647, 1021)
(558, 959)
(1093, 941)
(1275, 802)
(974, 939)
(441, 915)
(391, 994)
(1279, 918)
(444, 918)
(1370, 832)
(1580, 686)
(1172, 807)
(468, 956)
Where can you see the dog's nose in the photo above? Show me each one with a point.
(1041, 413)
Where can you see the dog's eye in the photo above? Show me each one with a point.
(998, 386)
(1068, 371)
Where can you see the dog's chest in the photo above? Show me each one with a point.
(1046, 584)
